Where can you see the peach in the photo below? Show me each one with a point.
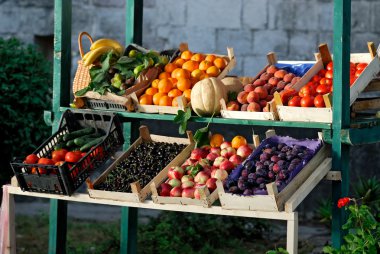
(268, 87)
(273, 90)
(295, 80)
(253, 97)
(288, 77)
(233, 106)
(272, 69)
(242, 97)
(281, 85)
(280, 74)
(253, 107)
(244, 107)
(266, 76)
(249, 87)
(288, 86)
(259, 82)
(262, 103)
(269, 97)
(273, 81)
(263, 93)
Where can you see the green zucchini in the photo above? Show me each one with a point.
(81, 141)
(70, 143)
(91, 144)
(78, 133)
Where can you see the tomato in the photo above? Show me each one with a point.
(286, 95)
(329, 74)
(295, 101)
(329, 82)
(319, 102)
(352, 80)
(322, 73)
(31, 159)
(59, 163)
(323, 81)
(59, 155)
(98, 152)
(323, 89)
(306, 90)
(361, 66)
(316, 78)
(73, 157)
(44, 161)
(329, 66)
(83, 154)
(307, 101)
(358, 72)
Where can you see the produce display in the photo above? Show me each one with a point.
(142, 165)
(311, 94)
(180, 76)
(256, 95)
(277, 159)
(205, 166)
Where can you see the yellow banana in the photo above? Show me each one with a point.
(95, 54)
(85, 56)
(108, 42)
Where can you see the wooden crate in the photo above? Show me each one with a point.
(324, 115)
(271, 106)
(318, 166)
(139, 194)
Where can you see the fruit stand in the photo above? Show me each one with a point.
(341, 133)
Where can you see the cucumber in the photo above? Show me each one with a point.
(81, 141)
(78, 133)
(60, 146)
(91, 144)
(70, 143)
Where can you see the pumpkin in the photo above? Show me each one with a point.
(206, 95)
(233, 84)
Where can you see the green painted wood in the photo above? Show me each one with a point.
(57, 226)
(341, 112)
(134, 21)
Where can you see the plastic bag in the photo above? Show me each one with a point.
(4, 221)
(298, 69)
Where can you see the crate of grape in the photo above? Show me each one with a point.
(310, 99)
(193, 180)
(273, 173)
(83, 142)
(149, 157)
(171, 91)
(255, 100)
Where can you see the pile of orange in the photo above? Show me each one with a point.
(180, 76)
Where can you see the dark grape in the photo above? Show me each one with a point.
(271, 175)
(248, 192)
(274, 158)
(252, 176)
(241, 185)
(280, 146)
(260, 180)
(244, 173)
(233, 189)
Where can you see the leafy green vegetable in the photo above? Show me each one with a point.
(201, 136)
(181, 118)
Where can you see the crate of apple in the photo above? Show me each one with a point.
(194, 181)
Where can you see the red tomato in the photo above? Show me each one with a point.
(306, 90)
(31, 159)
(358, 72)
(316, 78)
(59, 155)
(322, 73)
(44, 161)
(59, 163)
(323, 89)
(83, 154)
(329, 74)
(329, 66)
(361, 66)
(295, 101)
(329, 81)
(286, 95)
(307, 101)
(323, 81)
(352, 80)
(319, 102)
(72, 157)
(99, 152)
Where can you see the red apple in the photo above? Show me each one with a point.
(198, 154)
(204, 162)
(165, 189)
(186, 178)
(233, 106)
(211, 156)
(176, 192)
(175, 173)
(206, 148)
(228, 152)
(187, 184)
(244, 151)
(225, 144)
(188, 192)
(211, 184)
(201, 177)
(218, 161)
(190, 162)
(207, 170)
(219, 174)
(236, 159)
(215, 150)
(197, 195)
(227, 165)
(175, 183)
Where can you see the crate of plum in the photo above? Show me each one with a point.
(193, 180)
(255, 100)
(271, 174)
(310, 99)
(147, 160)
(83, 142)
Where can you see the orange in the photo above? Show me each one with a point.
(193, 81)
(179, 62)
(175, 101)
(146, 99)
(174, 81)
(205, 76)
(151, 91)
(187, 94)
(170, 67)
(220, 63)
(165, 101)
(183, 84)
(190, 65)
(157, 97)
(213, 71)
(198, 57)
(155, 83)
(204, 65)
(164, 75)
(197, 74)
(180, 73)
(238, 141)
(210, 58)
(165, 85)
(186, 55)
(174, 93)
(216, 140)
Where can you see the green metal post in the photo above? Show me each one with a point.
(134, 20)
(341, 112)
(61, 96)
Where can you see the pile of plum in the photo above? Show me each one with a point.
(274, 163)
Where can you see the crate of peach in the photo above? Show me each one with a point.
(172, 90)
(280, 170)
(255, 98)
(311, 99)
(193, 180)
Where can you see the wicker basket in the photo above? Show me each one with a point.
(82, 76)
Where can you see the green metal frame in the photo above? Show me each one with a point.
(338, 133)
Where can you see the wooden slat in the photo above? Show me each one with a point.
(374, 86)
(292, 235)
(325, 54)
(372, 49)
(10, 236)
(334, 176)
(366, 105)
(300, 114)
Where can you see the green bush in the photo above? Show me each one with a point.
(26, 81)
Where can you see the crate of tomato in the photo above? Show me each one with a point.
(62, 163)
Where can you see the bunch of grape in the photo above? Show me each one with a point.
(274, 164)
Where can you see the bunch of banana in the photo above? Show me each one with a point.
(100, 47)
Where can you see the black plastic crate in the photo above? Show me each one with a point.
(65, 179)
(105, 105)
